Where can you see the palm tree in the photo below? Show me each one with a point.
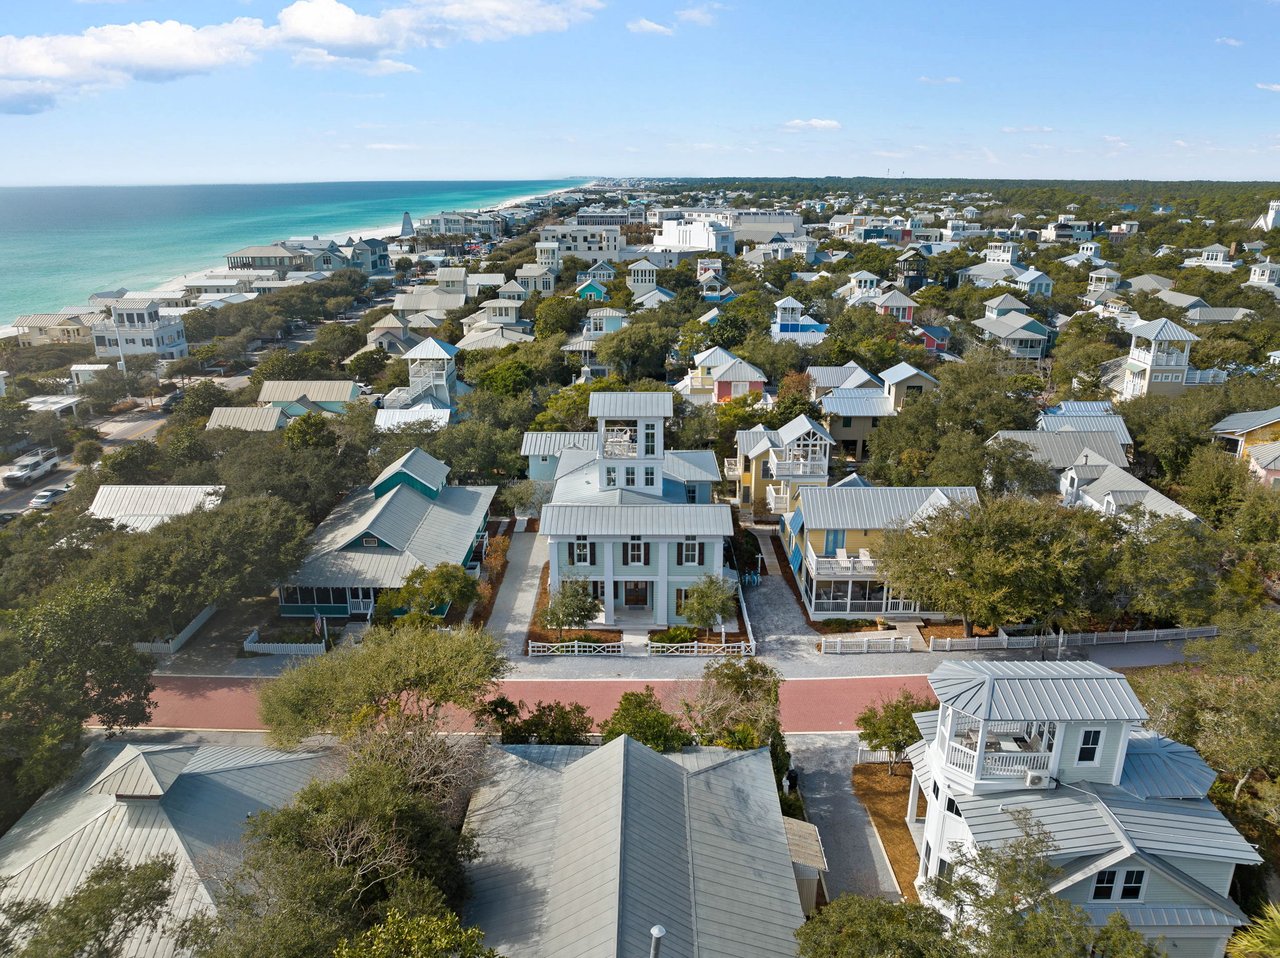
(1261, 939)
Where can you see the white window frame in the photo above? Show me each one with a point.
(690, 552)
(611, 477)
(581, 552)
(629, 475)
(1097, 747)
(635, 553)
(650, 476)
(1127, 882)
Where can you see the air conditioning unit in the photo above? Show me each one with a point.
(1038, 780)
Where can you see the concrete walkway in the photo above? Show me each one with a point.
(855, 858)
(518, 594)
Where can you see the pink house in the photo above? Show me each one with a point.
(1264, 463)
(718, 375)
(897, 304)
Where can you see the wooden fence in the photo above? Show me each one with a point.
(575, 648)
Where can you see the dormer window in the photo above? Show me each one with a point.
(1090, 745)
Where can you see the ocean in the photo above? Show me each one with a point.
(59, 245)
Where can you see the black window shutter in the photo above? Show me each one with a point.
(702, 553)
(591, 553)
(626, 553)
(573, 547)
(679, 553)
(646, 553)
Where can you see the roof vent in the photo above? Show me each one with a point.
(655, 946)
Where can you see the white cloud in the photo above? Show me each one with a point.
(1273, 87)
(1026, 129)
(703, 15)
(37, 71)
(1229, 42)
(392, 147)
(648, 26)
(1181, 143)
(939, 80)
(813, 124)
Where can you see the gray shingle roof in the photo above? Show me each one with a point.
(658, 519)
(694, 842)
(875, 507)
(630, 405)
(1050, 691)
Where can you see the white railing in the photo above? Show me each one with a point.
(732, 468)
(871, 756)
(172, 644)
(1067, 639)
(829, 565)
(960, 757)
(1013, 764)
(702, 648)
(575, 648)
(864, 606)
(254, 644)
(797, 467)
(779, 499)
(871, 642)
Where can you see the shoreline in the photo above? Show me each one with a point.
(367, 232)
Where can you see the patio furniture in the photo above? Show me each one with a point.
(842, 559)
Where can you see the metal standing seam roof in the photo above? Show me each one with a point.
(1159, 767)
(432, 348)
(896, 374)
(691, 465)
(833, 377)
(248, 418)
(1163, 330)
(143, 507)
(419, 464)
(1012, 325)
(658, 519)
(1128, 490)
(554, 443)
(875, 507)
(800, 425)
(419, 532)
(1265, 455)
(198, 799)
(1240, 422)
(317, 390)
(1048, 691)
(857, 404)
(692, 841)
(1060, 450)
(1113, 423)
(1081, 407)
(388, 419)
(610, 405)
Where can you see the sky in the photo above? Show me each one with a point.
(212, 91)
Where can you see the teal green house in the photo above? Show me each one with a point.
(593, 290)
(408, 517)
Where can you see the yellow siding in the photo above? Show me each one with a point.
(1256, 437)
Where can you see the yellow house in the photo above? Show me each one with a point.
(1241, 430)
(853, 414)
(40, 329)
(832, 536)
(772, 465)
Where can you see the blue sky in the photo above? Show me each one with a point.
(182, 91)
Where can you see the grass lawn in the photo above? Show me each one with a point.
(884, 796)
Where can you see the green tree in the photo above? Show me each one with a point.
(199, 400)
(638, 350)
(641, 716)
(854, 926)
(115, 902)
(547, 723)
(399, 935)
(558, 315)
(736, 704)
(410, 670)
(1167, 570)
(890, 725)
(86, 452)
(1214, 485)
(710, 600)
(572, 606)
(367, 366)
(1261, 939)
(338, 340)
(311, 430)
(427, 594)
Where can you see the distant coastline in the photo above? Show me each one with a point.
(70, 242)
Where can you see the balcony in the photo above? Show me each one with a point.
(1009, 750)
(834, 566)
(779, 499)
(1160, 357)
(796, 465)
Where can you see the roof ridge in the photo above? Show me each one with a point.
(688, 844)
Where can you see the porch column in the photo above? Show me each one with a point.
(608, 581)
(913, 799)
(553, 578)
(660, 584)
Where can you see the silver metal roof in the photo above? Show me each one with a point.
(1065, 423)
(418, 531)
(857, 403)
(1050, 691)
(554, 443)
(691, 465)
(419, 464)
(1164, 330)
(248, 418)
(659, 519)
(875, 507)
(1058, 450)
(797, 427)
(200, 799)
(1239, 422)
(630, 405)
(695, 843)
(1127, 490)
(901, 371)
(317, 390)
(140, 508)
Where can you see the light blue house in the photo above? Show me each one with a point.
(406, 518)
(299, 396)
(633, 519)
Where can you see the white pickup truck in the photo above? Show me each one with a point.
(32, 466)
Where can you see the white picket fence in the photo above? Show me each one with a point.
(869, 642)
(254, 644)
(702, 648)
(172, 644)
(875, 756)
(1064, 640)
(575, 648)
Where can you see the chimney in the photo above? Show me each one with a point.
(655, 947)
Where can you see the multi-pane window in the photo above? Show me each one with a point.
(610, 476)
(953, 808)
(582, 552)
(690, 552)
(650, 439)
(1090, 742)
(649, 476)
(1104, 885)
(681, 595)
(630, 475)
(635, 552)
(1131, 888)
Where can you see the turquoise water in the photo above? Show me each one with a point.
(58, 245)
